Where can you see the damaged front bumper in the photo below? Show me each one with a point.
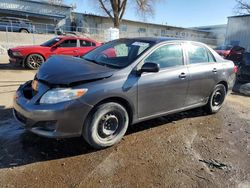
(60, 120)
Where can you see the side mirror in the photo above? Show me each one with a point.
(55, 47)
(150, 67)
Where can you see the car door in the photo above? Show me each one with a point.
(85, 46)
(165, 90)
(204, 72)
(66, 47)
(16, 25)
(5, 24)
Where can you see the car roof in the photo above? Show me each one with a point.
(155, 39)
(75, 37)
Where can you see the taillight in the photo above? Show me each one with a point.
(235, 69)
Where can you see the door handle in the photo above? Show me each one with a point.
(182, 75)
(214, 70)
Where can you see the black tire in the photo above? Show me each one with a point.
(24, 31)
(34, 61)
(216, 99)
(106, 125)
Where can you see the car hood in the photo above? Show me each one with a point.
(20, 48)
(66, 70)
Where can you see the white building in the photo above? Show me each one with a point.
(238, 31)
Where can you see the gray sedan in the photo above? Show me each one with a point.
(122, 82)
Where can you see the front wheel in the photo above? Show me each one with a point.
(216, 99)
(106, 125)
(34, 61)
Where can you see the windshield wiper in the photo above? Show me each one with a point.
(103, 64)
(91, 60)
(112, 65)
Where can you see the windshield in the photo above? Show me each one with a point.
(51, 42)
(119, 53)
(224, 47)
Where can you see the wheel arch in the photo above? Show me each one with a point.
(24, 29)
(120, 101)
(25, 59)
(224, 83)
(34, 53)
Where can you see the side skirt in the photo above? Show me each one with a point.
(169, 112)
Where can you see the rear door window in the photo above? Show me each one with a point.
(68, 43)
(210, 57)
(196, 54)
(85, 43)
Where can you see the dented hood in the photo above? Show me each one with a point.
(66, 70)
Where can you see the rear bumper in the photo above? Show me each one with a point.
(61, 120)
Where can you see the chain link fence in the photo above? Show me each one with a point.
(11, 37)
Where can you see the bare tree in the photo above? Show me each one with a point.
(115, 9)
(242, 7)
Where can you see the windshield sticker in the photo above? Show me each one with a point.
(142, 44)
(57, 39)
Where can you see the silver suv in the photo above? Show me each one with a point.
(12, 24)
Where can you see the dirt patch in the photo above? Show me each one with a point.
(164, 152)
(188, 149)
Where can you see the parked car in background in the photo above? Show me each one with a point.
(13, 24)
(122, 82)
(33, 56)
(234, 53)
(243, 74)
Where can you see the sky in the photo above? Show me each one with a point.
(182, 13)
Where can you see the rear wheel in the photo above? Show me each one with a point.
(216, 99)
(34, 61)
(106, 125)
(24, 31)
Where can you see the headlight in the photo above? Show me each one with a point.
(17, 54)
(60, 95)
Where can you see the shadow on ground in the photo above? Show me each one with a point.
(242, 89)
(9, 66)
(19, 147)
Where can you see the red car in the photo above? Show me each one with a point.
(234, 53)
(33, 56)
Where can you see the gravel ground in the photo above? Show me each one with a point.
(189, 149)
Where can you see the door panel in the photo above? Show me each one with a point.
(66, 47)
(201, 82)
(161, 92)
(83, 50)
(165, 90)
(203, 71)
